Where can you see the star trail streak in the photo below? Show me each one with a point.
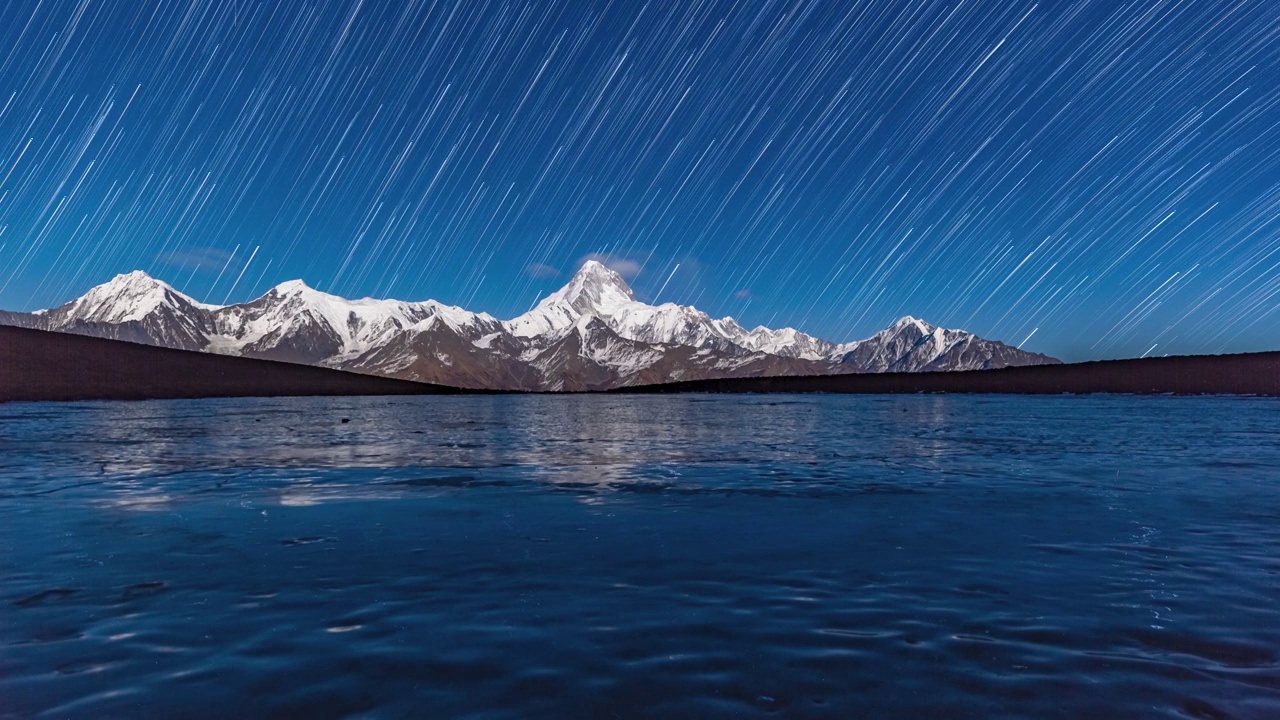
(1099, 178)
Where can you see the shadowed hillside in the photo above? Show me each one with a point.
(41, 365)
(1246, 374)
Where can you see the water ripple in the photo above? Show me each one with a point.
(641, 557)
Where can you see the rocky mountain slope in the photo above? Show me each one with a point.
(592, 334)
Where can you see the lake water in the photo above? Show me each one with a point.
(610, 556)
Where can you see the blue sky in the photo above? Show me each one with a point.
(1089, 179)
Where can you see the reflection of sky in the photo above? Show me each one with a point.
(157, 437)
(136, 500)
(150, 438)
(298, 452)
(308, 496)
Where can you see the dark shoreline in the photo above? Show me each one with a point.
(1244, 374)
(38, 365)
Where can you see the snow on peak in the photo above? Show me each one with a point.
(133, 282)
(292, 287)
(730, 329)
(786, 342)
(298, 293)
(596, 291)
(135, 276)
(293, 312)
(127, 297)
(907, 321)
(595, 288)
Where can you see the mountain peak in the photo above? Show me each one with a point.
(131, 282)
(292, 287)
(595, 289)
(592, 266)
(126, 297)
(907, 321)
(136, 275)
(594, 271)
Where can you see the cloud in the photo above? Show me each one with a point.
(205, 257)
(623, 266)
(743, 294)
(541, 271)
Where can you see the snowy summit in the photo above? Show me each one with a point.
(590, 334)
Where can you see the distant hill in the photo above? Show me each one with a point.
(1245, 374)
(43, 365)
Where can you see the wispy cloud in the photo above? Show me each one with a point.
(625, 267)
(210, 258)
(541, 271)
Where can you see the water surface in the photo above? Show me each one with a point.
(681, 556)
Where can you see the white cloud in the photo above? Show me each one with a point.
(541, 271)
(623, 266)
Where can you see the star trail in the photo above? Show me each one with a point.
(1088, 179)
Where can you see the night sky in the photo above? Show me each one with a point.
(1100, 177)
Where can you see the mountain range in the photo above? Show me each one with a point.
(592, 334)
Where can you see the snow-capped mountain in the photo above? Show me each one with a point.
(912, 345)
(592, 334)
(137, 308)
(787, 342)
(297, 323)
(597, 291)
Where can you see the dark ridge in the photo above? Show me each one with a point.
(42, 365)
(1247, 374)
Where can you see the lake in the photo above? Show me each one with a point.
(619, 556)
